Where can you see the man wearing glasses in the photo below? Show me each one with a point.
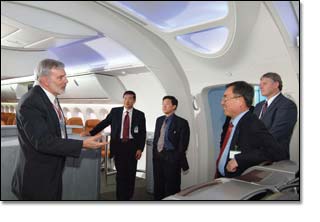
(247, 141)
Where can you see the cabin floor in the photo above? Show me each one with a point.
(108, 188)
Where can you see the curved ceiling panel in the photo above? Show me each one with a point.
(49, 21)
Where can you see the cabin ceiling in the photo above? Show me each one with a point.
(83, 50)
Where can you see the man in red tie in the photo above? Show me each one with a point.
(247, 142)
(128, 136)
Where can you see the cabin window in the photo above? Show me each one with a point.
(174, 15)
(92, 116)
(68, 114)
(258, 97)
(206, 41)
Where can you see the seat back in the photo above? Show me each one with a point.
(10, 119)
(90, 124)
(75, 121)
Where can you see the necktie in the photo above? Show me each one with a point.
(57, 108)
(161, 137)
(126, 122)
(225, 141)
(264, 109)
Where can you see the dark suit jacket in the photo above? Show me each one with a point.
(179, 134)
(38, 174)
(114, 119)
(255, 143)
(280, 119)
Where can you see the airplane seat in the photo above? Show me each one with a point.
(11, 118)
(89, 125)
(5, 116)
(294, 141)
(75, 121)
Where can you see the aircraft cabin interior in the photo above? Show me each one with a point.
(186, 49)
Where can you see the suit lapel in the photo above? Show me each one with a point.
(118, 120)
(134, 119)
(173, 123)
(47, 103)
(275, 102)
(50, 108)
(236, 135)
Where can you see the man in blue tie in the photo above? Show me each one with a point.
(278, 113)
(247, 141)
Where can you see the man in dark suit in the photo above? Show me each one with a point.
(247, 142)
(171, 139)
(42, 137)
(128, 136)
(278, 113)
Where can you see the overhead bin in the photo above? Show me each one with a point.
(93, 86)
(79, 88)
(13, 92)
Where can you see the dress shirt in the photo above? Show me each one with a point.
(225, 153)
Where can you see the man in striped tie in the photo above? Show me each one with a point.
(42, 136)
(278, 113)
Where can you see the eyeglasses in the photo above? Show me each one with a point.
(224, 99)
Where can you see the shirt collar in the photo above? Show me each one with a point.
(129, 110)
(272, 99)
(169, 117)
(237, 118)
(49, 94)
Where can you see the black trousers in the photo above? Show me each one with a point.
(166, 173)
(126, 165)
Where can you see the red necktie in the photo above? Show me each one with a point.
(225, 140)
(264, 109)
(126, 122)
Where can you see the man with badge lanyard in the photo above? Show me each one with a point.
(247, 142)
(128, 135)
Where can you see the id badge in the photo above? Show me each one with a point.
(233, 153)
(136, 130)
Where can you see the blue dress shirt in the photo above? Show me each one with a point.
(167, 144)
(225, 153)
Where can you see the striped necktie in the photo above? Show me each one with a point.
(58, 110)
(264, 109)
